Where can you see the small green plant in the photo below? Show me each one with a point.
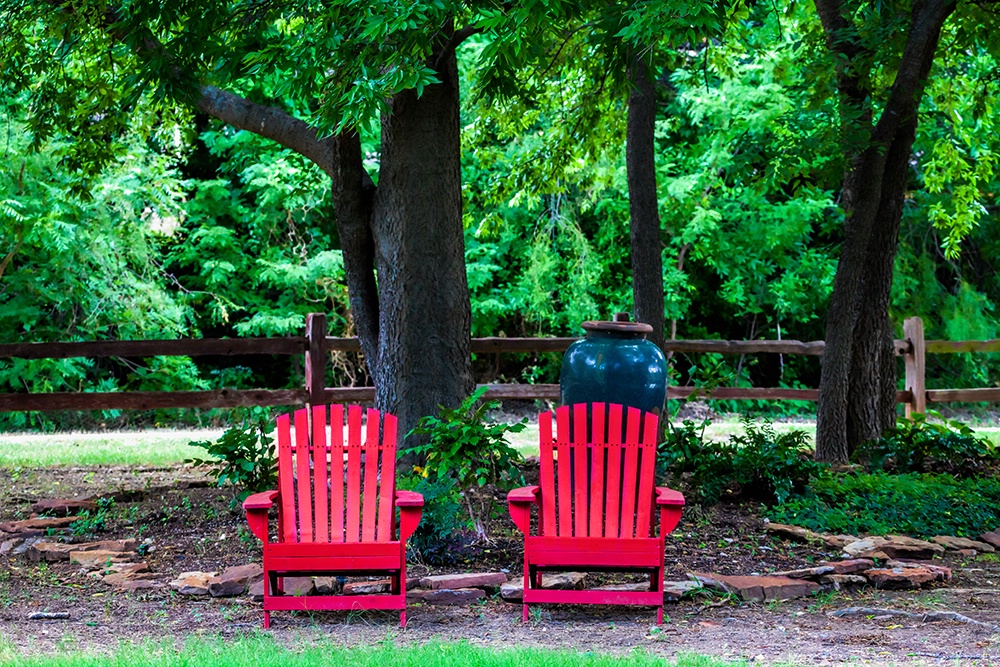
(921, 445)
(759, 464)
(445, 536)
(96, 521)
(460, 445)
(243, 456)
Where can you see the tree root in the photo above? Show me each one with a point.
(927, 617)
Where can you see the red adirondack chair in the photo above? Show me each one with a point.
(595, 504)
(319, 477)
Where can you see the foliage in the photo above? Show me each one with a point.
(921, 445)
(759, 464)
(96, 521)
(922, 505)
(462, 447)
(445, 535)
(243, 456)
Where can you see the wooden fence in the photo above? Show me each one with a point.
(315, 346)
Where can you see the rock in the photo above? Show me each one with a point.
(849, 566)
(193, 583)
(234, 580)
(639, 586)
(958, 543)
(9, 545)
(22, 546)
(675, 590)
(412, 582)
(52, 552)
(564, 580)
(134, 581)
(841, 581)
(893, 546)
(48, 616)
(446, 595)
(324, 585)
(121, 568)
(757, 587)
(368, 587)
(967, 553)
(41, 524)
(298, 586)
(798, 534)
(940, 572)
(256, 591)
(63, 506)
(807, 573)
(98, 558)
(472, 580)
(992, 538)
(899, 577)
(512, 590)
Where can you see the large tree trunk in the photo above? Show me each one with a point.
(424, 310)
(647, 246)
(857, 387)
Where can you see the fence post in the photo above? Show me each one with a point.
(316, 357)
(913, 330)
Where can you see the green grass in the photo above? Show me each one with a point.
(261, 651)
(152, 447)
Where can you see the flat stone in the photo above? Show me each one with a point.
(992, 538)
(192, 583)
(368, 587)
(893, 546)
(64, 506)
(52, 552)
(98, 558)
(456, 596)
(41, 524)
(256, 591)
(512, 590)
(134, 581)
(958, 543)
(564, 580)
(21, 546)
(298, 586)
(324, 585)
(234, 580)
(841, 581)
(412, 582)
(967, 553)
(940, 572)
(634, 587)
(807, 573)
(9, 545)
(121, 568)
(675, 590)
(899, 577)
(799, 534)
(761, 588)
(849, 566)
(471, 580)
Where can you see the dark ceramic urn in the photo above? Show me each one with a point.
(615, 364)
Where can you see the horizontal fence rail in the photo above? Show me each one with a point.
(316, 344)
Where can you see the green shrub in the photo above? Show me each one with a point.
(760, 464)
(445, 535)
(243, 456)
(475, 455)
(923, 505)
(919, 445)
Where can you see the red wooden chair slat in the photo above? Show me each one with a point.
(336, 473)
(547, 477)
(614, 466)
(286, 484)
(387, 474)
(627, 523)
(320, 453)
(580, 480)
(369, 508)
(564, 491)
(352, 527)
(598, 450)
(647, 473)
(601, 489)
(311, 474)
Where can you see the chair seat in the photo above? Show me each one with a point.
(332, 557)
(594, 552)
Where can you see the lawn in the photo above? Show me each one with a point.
(261, 651)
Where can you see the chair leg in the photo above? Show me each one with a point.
(402, 619)
(659, 615)
(267, 620)
(524, 613)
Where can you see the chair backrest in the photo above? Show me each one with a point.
(597, 471)
(335, 488)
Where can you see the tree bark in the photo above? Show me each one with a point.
(647, 246)
(425, 314)
(857, 386)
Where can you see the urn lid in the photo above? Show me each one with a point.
(620, 325)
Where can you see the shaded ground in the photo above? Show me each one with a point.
(192, 528)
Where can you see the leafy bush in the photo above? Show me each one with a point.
(89, 522)
(474, 455)
(911, 504)
(243, 456)
(759, 464)
(445, 535)
(920, 445)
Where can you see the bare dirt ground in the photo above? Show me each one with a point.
(192, 528)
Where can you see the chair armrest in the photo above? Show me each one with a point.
(524, 494)
(260, 501)
(409, 499)
(665, 496)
